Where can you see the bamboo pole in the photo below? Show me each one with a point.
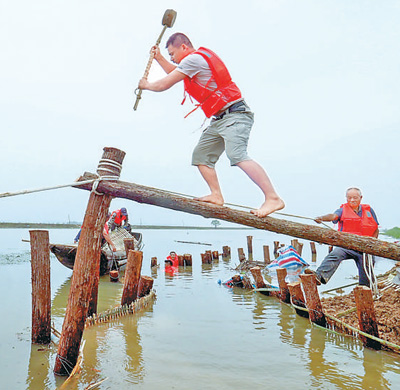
(87, 266)
(313, 301)
(41, 291)
(366, 315)
(132, 277)
(148, 195)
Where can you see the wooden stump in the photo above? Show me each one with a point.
(313, 301)
(267, 258)
(284, 290)
(154, 262)
(129, 243)
(242, 256)
(41, 292)
(226, 251)
(215, 255)
(132, 277)
(181, 261)
(206, 258)
(366, 315)
(276, 247)
(297, 298)
(188, 259)
(145, 286)
(258, 278)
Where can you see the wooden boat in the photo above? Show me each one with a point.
(108, 260)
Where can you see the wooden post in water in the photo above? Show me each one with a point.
(366, 316)
(188, 259)
(284, 290)
(215, 255)
(153, 262)
(313, 252)
(297, 298)
(313, 301)
(181, 261)
(129, 244)
(258, 278)
(250, 247)
(267, 258)
(206, 258)
(84, 283)
(242, 256)
(132, 277)
(276, 247)
(41, 292)
(226, 251)
(145, 286)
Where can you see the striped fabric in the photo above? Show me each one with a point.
(288, 257)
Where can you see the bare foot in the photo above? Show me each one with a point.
(214, 199)
(268, 207)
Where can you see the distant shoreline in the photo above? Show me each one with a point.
(32, 225)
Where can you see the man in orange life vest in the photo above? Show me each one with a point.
(119, 218)
(207, 80)
(352, 217)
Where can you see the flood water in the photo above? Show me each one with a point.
(197, 334)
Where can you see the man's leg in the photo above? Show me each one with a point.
(211, 178)
(258, 175)
(331, 263)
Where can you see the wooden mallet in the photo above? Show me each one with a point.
(168, 20)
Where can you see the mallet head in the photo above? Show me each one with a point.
(169, 18)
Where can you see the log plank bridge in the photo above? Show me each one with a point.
(165, 199)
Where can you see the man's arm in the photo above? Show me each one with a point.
(163, 84)
(327, 218)
(162, 61)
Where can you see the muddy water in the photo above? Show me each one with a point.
(196, 335)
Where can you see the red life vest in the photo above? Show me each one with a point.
(118, 217)
(211, 101)
(351, 222)
(175, 262)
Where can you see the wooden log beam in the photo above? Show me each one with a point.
(157, 197)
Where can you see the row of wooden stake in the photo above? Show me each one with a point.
(304, 297)
(135, 285)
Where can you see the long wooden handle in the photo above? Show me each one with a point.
(138, 91)
(146, 74)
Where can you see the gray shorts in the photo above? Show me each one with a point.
(231, 133)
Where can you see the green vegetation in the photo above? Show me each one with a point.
(393, 232)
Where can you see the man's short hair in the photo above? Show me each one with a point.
(177, 40)
(353, 188)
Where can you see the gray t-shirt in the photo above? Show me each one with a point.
(196, 67)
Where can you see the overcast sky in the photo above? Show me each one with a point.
(321, 76)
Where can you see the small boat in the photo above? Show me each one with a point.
(108, 260)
